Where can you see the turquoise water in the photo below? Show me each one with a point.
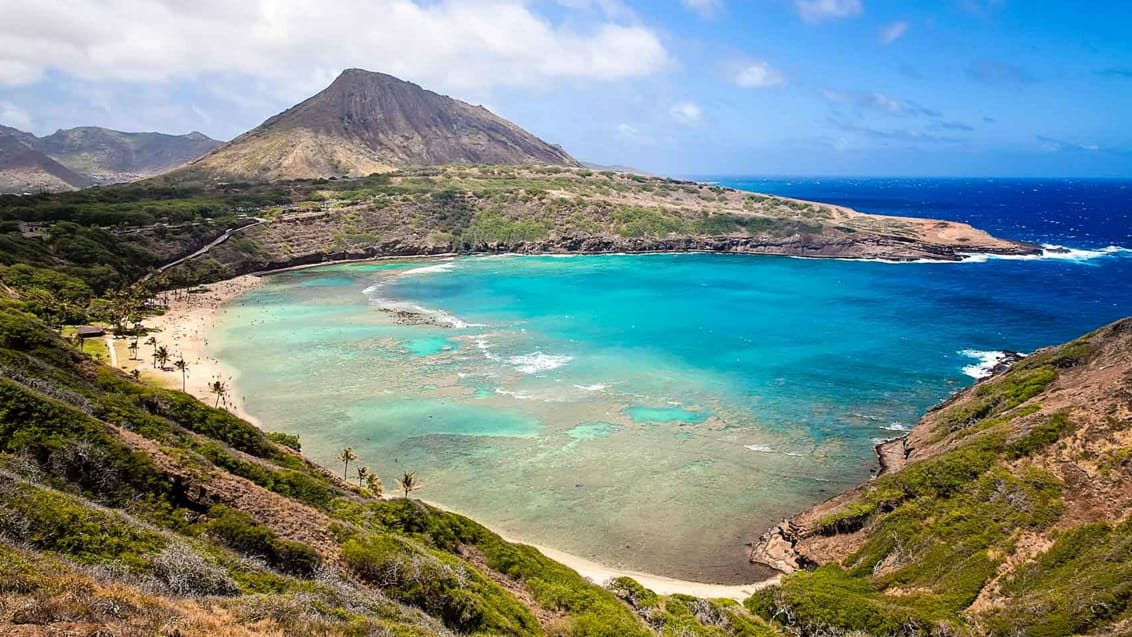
(650, 412)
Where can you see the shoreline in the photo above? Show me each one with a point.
(187, 321)
(183, 328)
(600, 574)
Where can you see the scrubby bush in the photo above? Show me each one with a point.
(237, 530)
(180, 571)
(439, 584)
(291, 441)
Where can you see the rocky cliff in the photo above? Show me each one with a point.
(1005, 511)
(544, 210)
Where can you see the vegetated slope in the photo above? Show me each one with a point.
(131, 510)
(367, 122)
(23, 168)
(1008, 513)
(561, 209)
(109, 156)
(88, 156)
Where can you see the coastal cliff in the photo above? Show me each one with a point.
(487, 209)
(1007, 506)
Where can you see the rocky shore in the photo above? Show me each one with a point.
(290, 244)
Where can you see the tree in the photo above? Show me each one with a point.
(346, 457)
(183, 367)
(152, 340)
(363, 473)
(135, 374)
(219, 389)
(133, 347)
(408, 482)
(161, 356)
(373, 483)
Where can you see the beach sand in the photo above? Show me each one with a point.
(184, 330)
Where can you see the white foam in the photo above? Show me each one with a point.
(513, 394)
(1052, 252)
(439, 317)
(536, 362)
(594, 387)
(759, 448)
(447, 266)
(895, 427)
(987, 360)
(482, 345)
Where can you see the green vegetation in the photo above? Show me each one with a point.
(1083, 582)
(139, 484)
(686, 615)
(109, 487)
(238, 531)
(935, 533)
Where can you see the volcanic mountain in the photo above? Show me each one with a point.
(90, 156)
(23, 168)
(367, 122)
(110, 156)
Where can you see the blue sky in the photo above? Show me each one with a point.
(681, 87)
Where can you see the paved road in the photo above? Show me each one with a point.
(215, 242)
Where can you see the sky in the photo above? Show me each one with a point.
(677, 87)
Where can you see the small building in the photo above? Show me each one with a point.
(89, 331)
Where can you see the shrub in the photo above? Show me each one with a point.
(53, 521)
(179, 571)
(1041, 435)
(290, 441)
(237, 530)
(439, 584)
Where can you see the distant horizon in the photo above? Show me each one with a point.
(905, 177)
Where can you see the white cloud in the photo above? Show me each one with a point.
(297, 46)
(820, 10)
(706, 8)
(893, 32)
(686, 113)
(14, 116)
(626, 130)
(757, 75)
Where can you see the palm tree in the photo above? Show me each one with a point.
(152, 340)
(219, 389)
(135, 374)
(408, 482)
(373, 483)
(133, 347)
(161, 356)
(346, 457)
(183, 367)
(363, 473)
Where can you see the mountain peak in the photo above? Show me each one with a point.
(365, 122)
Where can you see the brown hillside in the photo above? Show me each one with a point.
(368, 122)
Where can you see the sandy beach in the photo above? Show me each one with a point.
(184, 330)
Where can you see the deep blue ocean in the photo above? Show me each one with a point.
(656, 412)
